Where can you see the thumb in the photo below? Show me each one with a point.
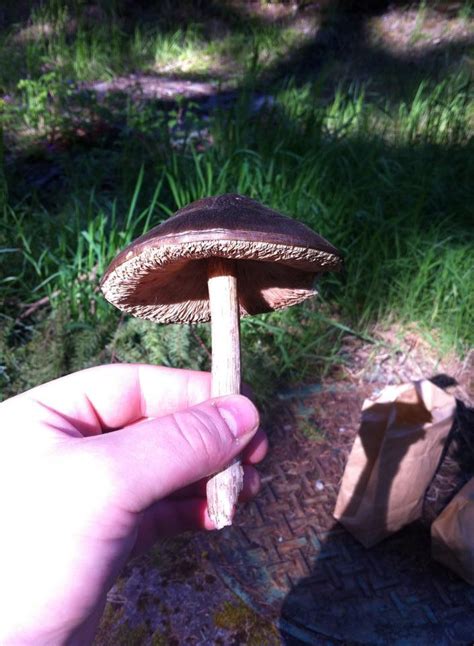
(154, 458)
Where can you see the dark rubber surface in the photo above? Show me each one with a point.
(289, 559)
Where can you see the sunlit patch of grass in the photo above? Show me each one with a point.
(189, 52)
(390, 185)
(83, 48)
(184, 51)
(396, 205)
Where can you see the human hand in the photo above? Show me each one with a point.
(78, 500)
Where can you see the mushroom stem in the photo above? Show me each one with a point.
(223, 488)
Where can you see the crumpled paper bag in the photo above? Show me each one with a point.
(452, 534)
(393, 459)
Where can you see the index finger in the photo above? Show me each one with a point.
(112, 396)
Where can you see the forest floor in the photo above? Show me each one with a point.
(79, 164)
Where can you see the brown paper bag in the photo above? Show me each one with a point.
(452, 534)
(393, 459)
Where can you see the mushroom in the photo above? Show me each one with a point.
(219, 258)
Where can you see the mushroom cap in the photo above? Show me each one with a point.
(162, 275)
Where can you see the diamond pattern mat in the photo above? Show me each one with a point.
(288, 558)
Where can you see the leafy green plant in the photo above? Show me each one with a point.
(171, 345)
(36, 95)
(44, 102)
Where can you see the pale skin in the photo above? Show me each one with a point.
(95, 468)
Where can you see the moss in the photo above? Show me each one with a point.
(125, 635)
(311, 432)
(179, 346)
(25, 349)
(251, 628)
(115, 631)
(174, 558)
(163, 639)
(110, 617)
(54, 346)
(159, 639)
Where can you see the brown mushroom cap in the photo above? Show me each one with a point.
(162, 275)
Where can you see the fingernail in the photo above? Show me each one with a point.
(239, 413)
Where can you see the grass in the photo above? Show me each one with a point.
(88, 46)
(390, 185)
(417, 34)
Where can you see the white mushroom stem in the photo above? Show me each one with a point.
(223, 488)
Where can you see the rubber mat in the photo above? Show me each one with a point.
(288, 558)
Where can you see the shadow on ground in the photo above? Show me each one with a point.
(393, 592)
(290, 561)
(346, 48)
(338, 38)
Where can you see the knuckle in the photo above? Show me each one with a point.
(203, 433)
